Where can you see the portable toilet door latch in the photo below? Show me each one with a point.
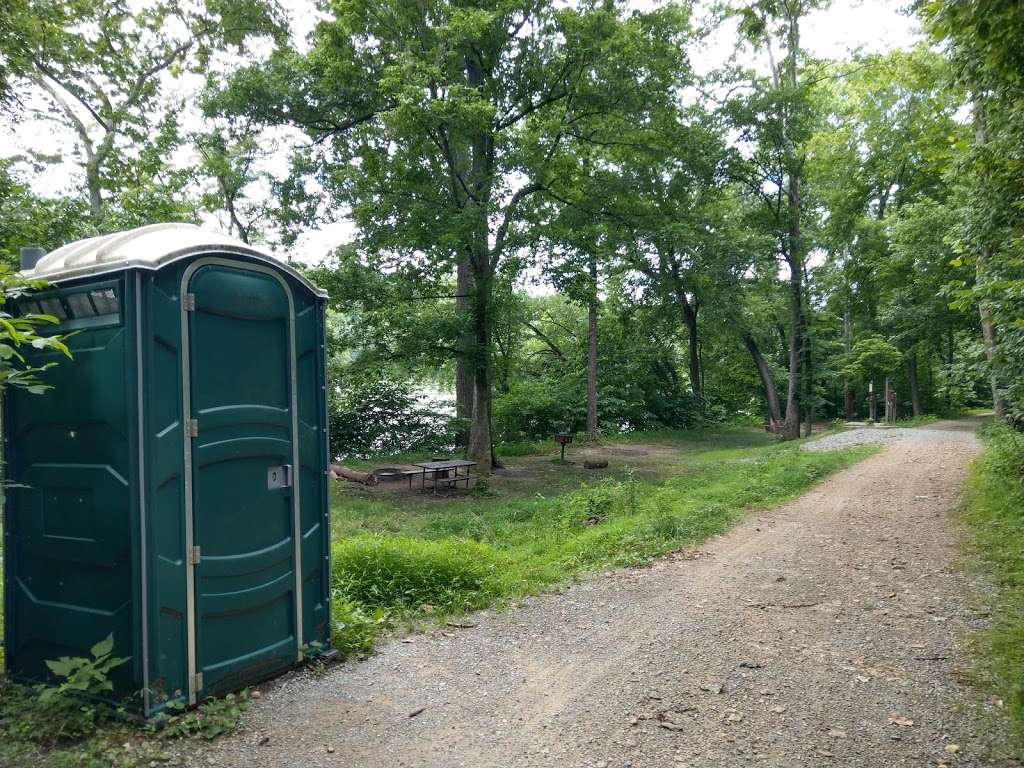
(188, 302)
(193, 427)
(195, 555)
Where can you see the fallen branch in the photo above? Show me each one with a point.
(366, 478)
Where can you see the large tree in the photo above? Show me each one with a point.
(985, 40)
(885, 141)
(101, 67)
(438, 122)
(685, 244)
(774, 117)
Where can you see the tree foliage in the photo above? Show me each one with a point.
(985, 43)
(552, 210)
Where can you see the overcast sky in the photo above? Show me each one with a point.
(847, 26)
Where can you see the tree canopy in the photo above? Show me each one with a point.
(555, 217)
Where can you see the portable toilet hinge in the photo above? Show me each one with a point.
(197, 681)
(195, 555)
(193, 427)
(188, 302)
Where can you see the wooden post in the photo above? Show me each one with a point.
(872, 411)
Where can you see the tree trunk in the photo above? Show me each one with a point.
(988, 333)
(770, 395)
(480, 448)
(463, 366)
(950, 344)
(592, 354)
(791, 422)
(847, 388)
(915, 392)
(808, 375)
(793, 246)
(988, 328)
(690, 316)
(93, 185)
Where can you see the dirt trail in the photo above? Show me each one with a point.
(811, 635)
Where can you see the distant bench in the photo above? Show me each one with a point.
(443, 474)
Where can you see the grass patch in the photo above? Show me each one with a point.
(994, 514)
(400, 573)
(401, 558)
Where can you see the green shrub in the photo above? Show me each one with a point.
(382, 417)
(593, 504)
(214, 717)
(66, 708)
(994, 513)
(60, 715)
(538, 409)
(401, 573)
(666, 526)
(88, 676)
(355, 629)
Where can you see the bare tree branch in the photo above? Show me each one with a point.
(510, 209)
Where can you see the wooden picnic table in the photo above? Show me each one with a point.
(446, 473)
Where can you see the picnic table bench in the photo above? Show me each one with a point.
(445, 474)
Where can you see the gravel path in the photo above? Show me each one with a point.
(871, 435)
(821, 633)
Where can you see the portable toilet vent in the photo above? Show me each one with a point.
(171, 489)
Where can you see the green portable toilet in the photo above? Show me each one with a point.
(171, 489)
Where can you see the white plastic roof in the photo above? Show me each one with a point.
(150, 247)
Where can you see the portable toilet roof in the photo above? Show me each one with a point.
(151, 248)
(171, 488)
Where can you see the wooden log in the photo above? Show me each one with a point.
(595, 463)
(339, 471)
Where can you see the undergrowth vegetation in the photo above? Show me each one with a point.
(395, 561)
(53, 727)
(994, 513)
(64, 726)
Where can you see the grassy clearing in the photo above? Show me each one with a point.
(994, 514)
(70, 732)
(409, 558)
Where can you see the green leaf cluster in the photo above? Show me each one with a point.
(83, 675)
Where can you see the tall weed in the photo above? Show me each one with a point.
(403, 573)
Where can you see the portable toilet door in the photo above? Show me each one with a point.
(242, 489)
(199, 411)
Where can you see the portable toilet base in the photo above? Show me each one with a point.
(171, 488)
